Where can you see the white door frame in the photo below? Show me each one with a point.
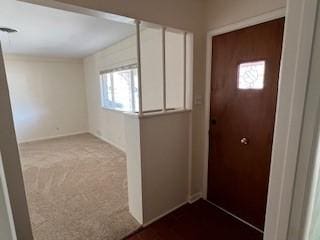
(296, 54)
(308, 167)
(228, 28)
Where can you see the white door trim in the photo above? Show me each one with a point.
(294, 75)
(308, 166)
(291, 97)
(225, 29)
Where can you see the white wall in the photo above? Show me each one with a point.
(184, 14)
(314, 227)
(306, 199)
(47, 96)
(134, 170)
(5, 231)
(224, 12)
(180, 14)
(109, 124)
(11, 162)
(6, 224)
(164, 163)
(197, 17)
(158, 163)
(314, 79)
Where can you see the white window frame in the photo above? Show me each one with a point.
(104, 87)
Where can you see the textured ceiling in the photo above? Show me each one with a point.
(50, 32)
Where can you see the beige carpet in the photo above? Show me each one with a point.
(76, 189)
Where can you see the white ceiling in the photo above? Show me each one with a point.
(50, 32)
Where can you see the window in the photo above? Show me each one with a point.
(251, 75)
(119, 89)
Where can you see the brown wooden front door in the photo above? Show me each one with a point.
(244, 82)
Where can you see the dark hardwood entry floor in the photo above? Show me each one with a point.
(199, 220)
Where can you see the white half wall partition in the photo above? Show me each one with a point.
(134, 170)
(164, 162)
(158, 163)
(159, 135)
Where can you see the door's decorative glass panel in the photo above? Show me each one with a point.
(251, 75)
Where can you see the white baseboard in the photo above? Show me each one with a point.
(108, 141)
(164, 214)
(52, 137)
(72, 134)
(195, 197)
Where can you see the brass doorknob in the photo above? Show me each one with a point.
(244, 141)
